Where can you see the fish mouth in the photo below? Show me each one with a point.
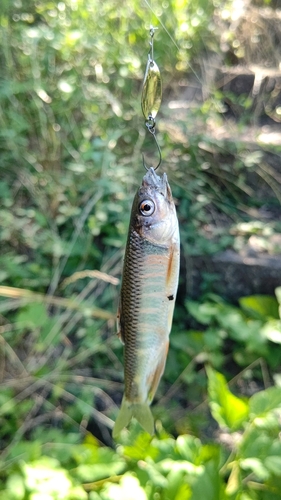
(152, 180)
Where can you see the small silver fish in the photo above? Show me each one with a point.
(148, 293)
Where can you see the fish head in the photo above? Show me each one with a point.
(154, 214)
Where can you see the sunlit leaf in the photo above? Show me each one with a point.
(128, 489)
(272, 331)
(256, 466)
(176, 485)
(188, 447)
(260, 306)
(15, 486)
(228, 410)
(265, 401)
(45, 477)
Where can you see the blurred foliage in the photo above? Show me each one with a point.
(161, 467)
(70, 145)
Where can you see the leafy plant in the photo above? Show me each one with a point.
(70, 146)
(253, 327)
(163, 466)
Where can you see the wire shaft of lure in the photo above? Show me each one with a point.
(151, 94)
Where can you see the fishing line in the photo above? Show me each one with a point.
(162, 24)
(200, 81)
(149, 5)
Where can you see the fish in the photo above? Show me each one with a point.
(147, 298)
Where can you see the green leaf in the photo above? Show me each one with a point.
(228, 410)
(188, 447)
(94, 472)
(44, 478)
(272, 331)
(265, 401)
(203, 313)
(168, 464)
(273, 464)
(152, 474)
(207, 483)
(97, 463)
(177, 489)
(232, 319)
(260, 306)
(255, 444)
(256, 466)
(33, 316)
(140, 445)
(15, 486)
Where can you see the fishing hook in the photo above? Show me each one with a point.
(150, 124)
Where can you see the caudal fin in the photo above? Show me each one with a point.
(140, 411)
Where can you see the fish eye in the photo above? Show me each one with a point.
(146, 207)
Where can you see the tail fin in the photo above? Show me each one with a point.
(140, 411)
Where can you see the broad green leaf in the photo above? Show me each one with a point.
(188, 447)
(98, 463)
(256, 443)
(265, 401)
(88, 473)
(207, 484)
(25, 450)
(232, 320)
(152, 474)
(33, 316)
(203, 313)
(273, 464)
(260, 306)
(228, 410)
(176, 487)
(269, 421)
